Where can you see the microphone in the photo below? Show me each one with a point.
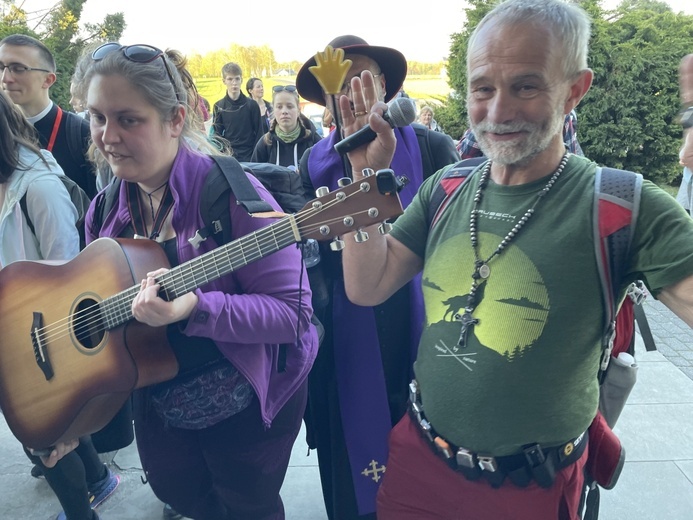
(400, 111)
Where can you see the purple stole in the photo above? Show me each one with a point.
(360, 379)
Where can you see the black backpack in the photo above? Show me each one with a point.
(79, 198)
(75, 141)
(228, 174)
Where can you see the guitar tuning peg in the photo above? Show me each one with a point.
(384, 228)
(361, 236)
(337, 244)
(322, 191)
(344, 181)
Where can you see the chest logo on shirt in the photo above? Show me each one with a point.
(513, 302)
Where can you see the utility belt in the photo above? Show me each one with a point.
(534, 462)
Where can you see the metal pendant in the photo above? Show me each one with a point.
(484, 271)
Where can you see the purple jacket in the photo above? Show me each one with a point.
(247, 313)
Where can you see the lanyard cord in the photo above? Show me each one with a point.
(137, 211)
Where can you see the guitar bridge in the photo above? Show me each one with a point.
(40, 352)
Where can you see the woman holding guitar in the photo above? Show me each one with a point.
(29, 176)
(215, 440)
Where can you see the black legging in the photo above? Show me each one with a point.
(70, 477)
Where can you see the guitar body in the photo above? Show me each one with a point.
(70, 352)
(92, 369)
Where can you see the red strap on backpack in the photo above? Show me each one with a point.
(624, 328)
(54, 132)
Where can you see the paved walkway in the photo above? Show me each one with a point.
(656, 428)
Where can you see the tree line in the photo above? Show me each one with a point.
(627, 120)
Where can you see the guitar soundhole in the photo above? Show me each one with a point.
(88, 324)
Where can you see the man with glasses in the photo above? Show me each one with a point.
(358, 384)
(236, 118)
(28, 72)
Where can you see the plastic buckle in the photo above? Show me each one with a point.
(606, 355)
(197, 239)
(636, 292)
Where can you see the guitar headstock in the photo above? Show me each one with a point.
(365, 202)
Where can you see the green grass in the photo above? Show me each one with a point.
(425, 89)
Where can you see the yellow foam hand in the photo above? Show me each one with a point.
(331, 69)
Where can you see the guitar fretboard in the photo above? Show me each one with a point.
(199, 271)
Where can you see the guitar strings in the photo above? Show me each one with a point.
(121, 303)
(229, 253)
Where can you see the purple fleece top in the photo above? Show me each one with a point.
(247, 313)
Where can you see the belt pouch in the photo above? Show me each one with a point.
(606, 454)
(618, 383)
(542, 467)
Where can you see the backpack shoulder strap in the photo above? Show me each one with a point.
(449, 184)
(615, 212)
(77, 195)
(25, 210)
(226, 174)
(242, 188)
(75, 143)
(424, 139)
(103, 203)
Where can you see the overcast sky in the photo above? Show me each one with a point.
(294, 30)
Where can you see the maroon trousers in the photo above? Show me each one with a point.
(418, 485)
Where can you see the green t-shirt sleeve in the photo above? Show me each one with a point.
(663, 242)
(411, 228)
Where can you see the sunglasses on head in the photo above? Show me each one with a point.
(282, 88)
(136, 53)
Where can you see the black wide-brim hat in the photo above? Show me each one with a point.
(391, 62)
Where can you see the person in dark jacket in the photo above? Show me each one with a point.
(291, 133)
(28, 73)
(236, 118)
(359, 382)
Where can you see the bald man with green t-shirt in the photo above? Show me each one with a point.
(506, 375)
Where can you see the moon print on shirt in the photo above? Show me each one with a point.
(513, 301)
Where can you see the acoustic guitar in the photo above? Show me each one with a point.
(71, 352)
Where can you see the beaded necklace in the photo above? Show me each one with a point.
(481, 267)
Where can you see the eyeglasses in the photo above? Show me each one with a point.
(138, 54)
(346, 86)
(17, 70)
(282, 88)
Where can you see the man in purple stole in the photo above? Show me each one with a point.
(358, 386)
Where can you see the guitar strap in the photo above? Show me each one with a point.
(136, 211)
